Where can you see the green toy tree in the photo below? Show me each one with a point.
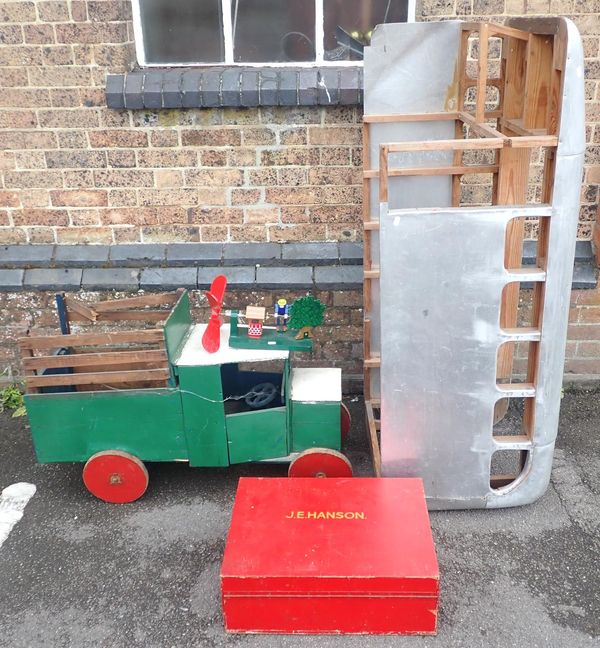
(305, 314)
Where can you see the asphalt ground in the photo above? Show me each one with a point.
(75, 572)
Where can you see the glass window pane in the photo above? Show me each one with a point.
(182, 31)
(272, 30)
(349, 23)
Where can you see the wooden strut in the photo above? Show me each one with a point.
(529, 87)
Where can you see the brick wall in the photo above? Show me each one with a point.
(73, 171)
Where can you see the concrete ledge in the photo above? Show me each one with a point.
(326, 265)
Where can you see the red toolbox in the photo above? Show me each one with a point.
(330, 556)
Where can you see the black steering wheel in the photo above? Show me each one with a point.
(261, 395)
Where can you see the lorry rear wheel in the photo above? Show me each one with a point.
(320, 462)
(115, 476)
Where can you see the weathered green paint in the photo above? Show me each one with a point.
(73, 426)
(204, 415)
(315, 425)
(257, 435)
(177, 327)
(270, 339)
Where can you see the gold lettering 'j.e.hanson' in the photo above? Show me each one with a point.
(326, 515)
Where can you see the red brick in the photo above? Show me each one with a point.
(589, 315)
(337, 214)
(12, 236)
(4, 219)
(17, 119)
(38, 34)
(30, 160)
(334, 136)
(66, 159)
(127, 234)
(124, 178)
(17, 98)
(173, 215)
(84, 217)
(332, 155)
(40, 235)
(9, 199)
(296, 156)
(294, 215)
(292, 195)
(78, 10)
(32, 179)
(210, 233)
(261, 215)
(211, 137)
(334, 175)
(586, 297)
(584, 332)
(248, 233)
(109, 10)
(295, 135)
(36, 198)
(20, 55)
(122, 198)
(110, 118)
(92, 33)
(77, 118)
(245, 196)
(169, 197)
(72, 140)
(60, 76)
(258, 136)
(292, 176)
(298, 233)
(213, 158)
(53, 11)
(80, 179)
(164, 138)
(121, 159)
(19, 12)
(171, 234)
(90, 235)
(216, 215)
(214, 177)
(241, 157)
(129, 216)
(11, 34)
(588, 349)
(79, 198)
(57, 55)
(587, 366)
(64, 97)
(164, 178)
(48, 217)
(13, 77)
(167, 158)
(117, 139)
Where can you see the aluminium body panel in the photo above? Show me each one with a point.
(439, 304)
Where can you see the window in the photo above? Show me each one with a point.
(259, 32)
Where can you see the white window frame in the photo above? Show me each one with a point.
(228, 42)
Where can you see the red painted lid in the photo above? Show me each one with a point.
(330, 535)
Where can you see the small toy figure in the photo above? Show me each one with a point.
(255, 316)
(281, 314)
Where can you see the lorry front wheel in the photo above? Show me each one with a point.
(115, 476)
(320, 462)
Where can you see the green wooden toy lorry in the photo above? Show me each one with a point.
(117, 399)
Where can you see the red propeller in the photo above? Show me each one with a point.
(211, 340)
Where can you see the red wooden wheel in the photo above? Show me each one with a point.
(115, 476)
(320, 462)
(345, 422)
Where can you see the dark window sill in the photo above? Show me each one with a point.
(234, 87)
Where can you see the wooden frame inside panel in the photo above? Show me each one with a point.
(529, 87)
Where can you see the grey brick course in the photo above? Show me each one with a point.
(284, 277)
(21, 256)
(11, 279)
(250, 253)
(81, 256)
(310, 253)
(110, 279)
(194, 254)
(169, 278)
(242, 276)
(346, 276)
(152, 254)
(53, 278)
